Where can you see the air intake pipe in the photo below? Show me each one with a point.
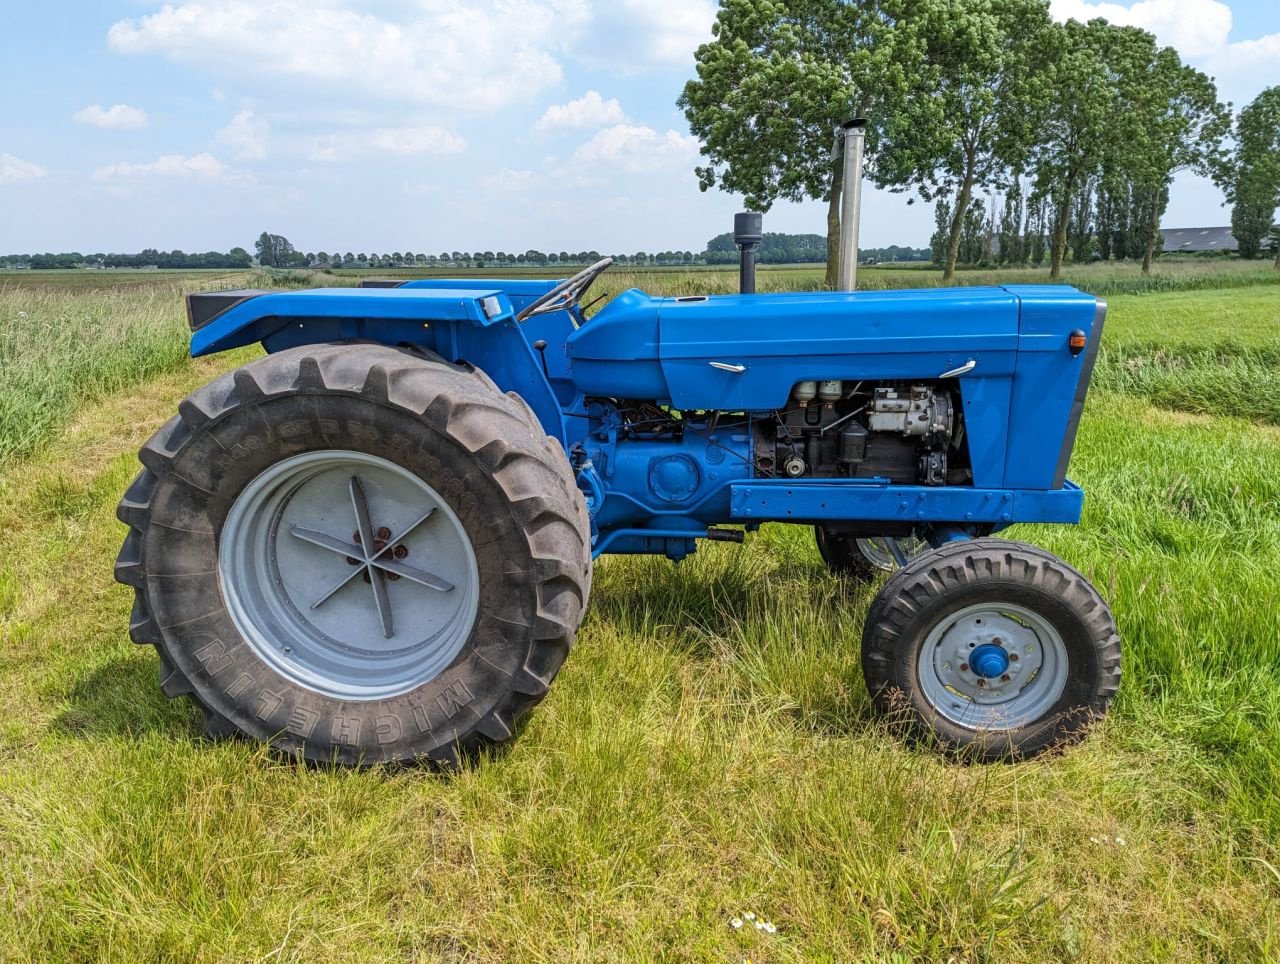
(747, 234)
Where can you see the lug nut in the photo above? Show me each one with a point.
(352, 562)
(356, 538)
(1013, 657)
(393, 576)
(399, 552)
(964, 667)
(982, 683)
(1005, 678)
(383, 533)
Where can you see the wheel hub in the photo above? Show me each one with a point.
(993, 666)
(989, 661)
(368, 617)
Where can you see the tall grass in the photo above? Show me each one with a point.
(60, 348)
(1227, 379)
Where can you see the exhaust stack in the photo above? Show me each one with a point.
(853, 135)
(748, 232)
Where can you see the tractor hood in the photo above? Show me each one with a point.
(746, 352)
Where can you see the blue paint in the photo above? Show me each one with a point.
(726, 362)
(989, 660)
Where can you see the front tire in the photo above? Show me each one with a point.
(356, 554)
(996, 649)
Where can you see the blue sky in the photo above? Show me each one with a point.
(380, 125)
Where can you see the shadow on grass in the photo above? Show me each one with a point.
(786, 631)
(123, 697)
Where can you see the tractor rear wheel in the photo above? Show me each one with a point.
(357, 554)
(996, 649)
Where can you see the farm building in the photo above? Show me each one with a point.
(1198, 239)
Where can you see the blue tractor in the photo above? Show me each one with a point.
(375, 542)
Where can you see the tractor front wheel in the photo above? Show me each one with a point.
(357, 554)
(996, 649)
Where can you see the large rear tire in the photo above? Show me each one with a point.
(357, 554)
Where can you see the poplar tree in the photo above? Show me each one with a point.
(1250, 175)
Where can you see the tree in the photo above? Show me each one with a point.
(1074, 127)
(275, 251)
(939, 242)
(1168, 119)
(775, 83)
(975, 117)
(1250, 175)
(1035, 229)
(1012, 249)
(974, 246)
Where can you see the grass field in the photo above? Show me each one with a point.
(708, 749)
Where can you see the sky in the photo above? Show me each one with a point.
(426, 125)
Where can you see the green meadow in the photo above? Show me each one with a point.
(708, 751)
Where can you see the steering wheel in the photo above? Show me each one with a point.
(567, 293)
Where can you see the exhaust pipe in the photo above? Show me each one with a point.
(853, 135)
(748, 232)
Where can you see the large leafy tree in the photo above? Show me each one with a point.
(1076, 126)
(1167, 118)
(776, 82)
(974, 118)
(1250, 176)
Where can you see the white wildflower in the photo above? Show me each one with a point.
(1119, 841)
(749, 915)
(736, 923)
(771, 927)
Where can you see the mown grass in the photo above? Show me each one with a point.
(708, 749)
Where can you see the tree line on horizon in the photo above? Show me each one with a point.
(1090, 121)
(276, 251)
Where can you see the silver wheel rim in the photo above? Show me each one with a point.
(323, 611)
(993, 666)
(879, 550)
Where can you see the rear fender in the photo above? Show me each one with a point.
(464, 326)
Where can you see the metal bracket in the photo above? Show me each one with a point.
(964, 369)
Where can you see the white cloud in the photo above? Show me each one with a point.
(631, 35)
(203, 167)
(13, 170)
(477, 55)
(510, 181)
(1199, 30)
(589, 110)
(635, 149)
(120, 117)
(403, 141)
(246, 135)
